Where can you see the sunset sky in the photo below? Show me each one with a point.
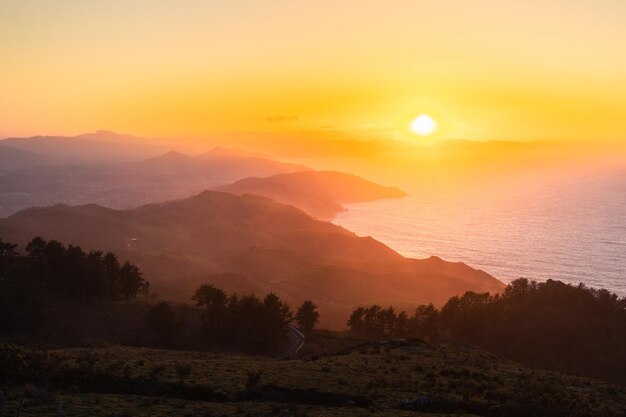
(519, 70)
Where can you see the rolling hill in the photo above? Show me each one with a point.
(131, 184)
(319, 193)
(14, 158)
(98, 147)
(272, 246)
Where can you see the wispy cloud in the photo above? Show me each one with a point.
(282, 118)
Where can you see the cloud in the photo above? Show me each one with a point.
(281, 118)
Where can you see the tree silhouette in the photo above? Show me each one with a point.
(277, 317)
(424, 322)
(356, 322)
(307, 316)
(130, 280)
(551, 325)
(51, 270)
(402, 324)
(69, 271)
(214, 315)
(246, 323)
(7, 258)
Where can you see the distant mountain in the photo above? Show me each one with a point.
(98, 147)
(270, 246)
(319, 193)
(130, 184)
(231, 163)
(171, 158)
(14, 158)
(220, 152)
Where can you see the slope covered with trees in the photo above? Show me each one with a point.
(50, 269)
(264, 246)
(245, 323)
(550, 325)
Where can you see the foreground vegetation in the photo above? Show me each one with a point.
(416, 378)
(50, 269)
(51, 277)
(421, 369)
(550, 325)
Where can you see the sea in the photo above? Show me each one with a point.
(570, 228)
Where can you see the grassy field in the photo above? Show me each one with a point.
(372, 380)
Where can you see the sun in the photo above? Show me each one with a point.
(423, 125)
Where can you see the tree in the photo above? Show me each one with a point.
(246, 323)
(371, 321)
(356, 321)
(307, 316)
(20, 299)
(97, 287)
(424, 322)
(551, 325)
(131, 280)
(214, 315)
(112, 275)
(51, 269)
(402, 324)
(277, 316)
(7, 256)
(387, 319)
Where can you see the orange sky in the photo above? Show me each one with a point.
(484, 69)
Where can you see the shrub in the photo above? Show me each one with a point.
(253, 379)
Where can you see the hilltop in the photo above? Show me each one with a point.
(319, 193)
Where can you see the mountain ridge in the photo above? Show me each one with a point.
(128, 184)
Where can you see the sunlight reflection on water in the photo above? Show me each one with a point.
(573, 230)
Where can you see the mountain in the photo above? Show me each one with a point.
(271, 246)
(319, 193)
(235, 163)
(220, 152)
(98, 147)
(130, 184)
(14, 158)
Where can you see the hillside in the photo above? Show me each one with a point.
(131, 184)
(319, 193)
(97, 147)
(14, 158)
(279, 248)
(410, 379)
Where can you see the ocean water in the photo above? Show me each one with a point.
(569, 228)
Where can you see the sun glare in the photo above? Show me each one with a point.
(423, 125)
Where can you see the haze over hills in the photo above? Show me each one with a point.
(437, 163)
(14, 158)
(130, 184)
(401, 161)
(319, 193)
(169, 176)
(98, 147)
(180, 244)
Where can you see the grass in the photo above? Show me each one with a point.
(412, 380)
